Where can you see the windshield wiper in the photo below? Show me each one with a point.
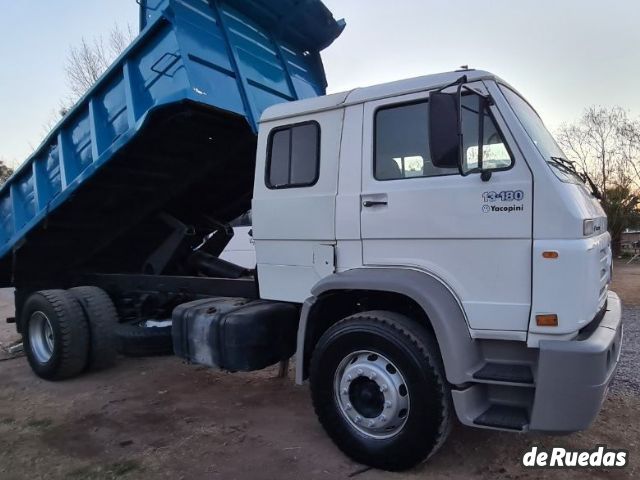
(568, 166)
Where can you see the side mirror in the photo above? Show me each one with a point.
(457, 130)
(445, 136)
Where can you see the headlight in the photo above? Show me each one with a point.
(588, 227)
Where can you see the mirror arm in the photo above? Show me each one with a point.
(486, 96)
(484, 103)
(485, 175)
(481, 134)
(460, 137)
(460, 81)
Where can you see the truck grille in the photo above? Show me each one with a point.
(605, 272)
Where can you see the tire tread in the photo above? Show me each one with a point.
(103, 320)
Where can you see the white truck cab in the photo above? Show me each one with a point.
(439, 207)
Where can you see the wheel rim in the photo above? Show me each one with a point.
(371, 394)
(41, 339)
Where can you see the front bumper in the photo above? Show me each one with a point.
(573, 376)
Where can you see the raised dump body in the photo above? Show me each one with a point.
(169, 129)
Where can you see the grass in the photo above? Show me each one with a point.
(122, 468)
(111, 471)
(41, 423)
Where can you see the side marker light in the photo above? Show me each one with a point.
(550, 320)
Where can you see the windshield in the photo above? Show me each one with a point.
(543, 140)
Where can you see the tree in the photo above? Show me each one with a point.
(622, 212)
(5, 170)
(605, 145)
(88, 60)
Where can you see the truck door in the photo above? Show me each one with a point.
(473, 235)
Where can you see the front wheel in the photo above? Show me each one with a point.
(378, 388)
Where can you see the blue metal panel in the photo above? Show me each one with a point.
(53, 172)
(23, 198)
(150, 11)
(6, 218)
(234, 56)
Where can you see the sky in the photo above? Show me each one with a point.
(563, 55)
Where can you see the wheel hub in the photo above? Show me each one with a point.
(41, 338)
(366, 397)
(371, 393)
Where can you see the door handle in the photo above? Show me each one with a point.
(373, 203)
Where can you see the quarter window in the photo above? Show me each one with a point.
(294, 156)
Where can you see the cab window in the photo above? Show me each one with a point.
(293, 158)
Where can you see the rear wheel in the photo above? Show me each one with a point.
(378, 388)
(103, 321)
(56, 334)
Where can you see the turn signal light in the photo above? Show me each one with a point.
(549, 254)
(547, 320)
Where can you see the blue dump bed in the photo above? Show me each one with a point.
(168, 129)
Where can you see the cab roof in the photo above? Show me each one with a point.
(374, 92)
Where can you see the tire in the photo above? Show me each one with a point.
(103, 321)
(135, 340)
(61, 349)
(383, 351)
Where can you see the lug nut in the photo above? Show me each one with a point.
(358, 419)
(348, 407)
(372, 423)
(384, 388)
(387, 404)
(349, 378)
(383, 418)
(344, 391)
(360, 372)
(372, 375)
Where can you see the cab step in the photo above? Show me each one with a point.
(504, 372)
(505, 417)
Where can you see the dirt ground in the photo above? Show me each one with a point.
(626, 281)
(160, 418)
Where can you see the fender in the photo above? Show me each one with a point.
(460, 354)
